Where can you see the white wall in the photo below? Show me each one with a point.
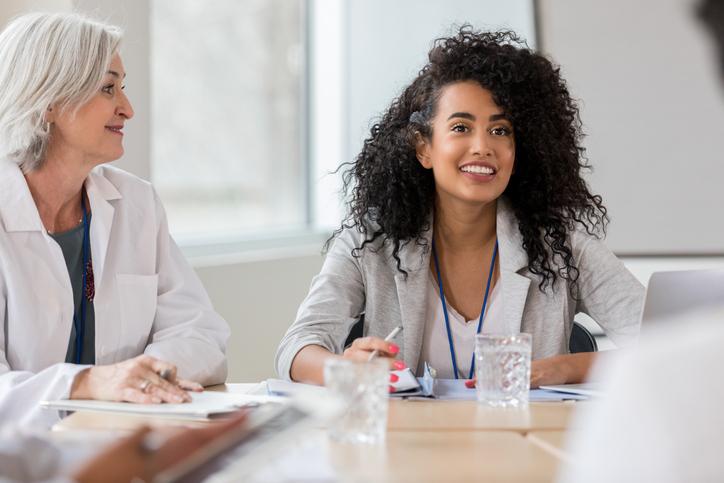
(11, 8)
(259, 299)
(653, 106)
(132, 16)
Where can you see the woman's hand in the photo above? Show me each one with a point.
(129, 459)
(547, 372)
(563, 369)
(362, 348)
(135, 380)
(543, 372)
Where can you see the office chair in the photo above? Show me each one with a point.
(581, 340)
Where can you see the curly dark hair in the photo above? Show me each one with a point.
(390, 188)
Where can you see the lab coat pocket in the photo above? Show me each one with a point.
(138, 295)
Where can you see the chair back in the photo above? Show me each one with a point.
(581, 340)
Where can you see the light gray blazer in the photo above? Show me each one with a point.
(371, 284)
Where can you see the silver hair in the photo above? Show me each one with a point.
(48, 59)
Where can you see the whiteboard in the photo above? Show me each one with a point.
(653, 109)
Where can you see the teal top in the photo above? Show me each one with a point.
(71, 243)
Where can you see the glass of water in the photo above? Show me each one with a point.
(502, 368)
(362, 388)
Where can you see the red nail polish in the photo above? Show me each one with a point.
(399, 365)
(394, 349)
(470, 384)
(394, 378)
(390, 389)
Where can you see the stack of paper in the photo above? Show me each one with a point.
(202, 405)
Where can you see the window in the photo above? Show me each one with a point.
(228, 108)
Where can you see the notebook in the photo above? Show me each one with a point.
(203, 405)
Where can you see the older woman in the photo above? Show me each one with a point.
(96, 300)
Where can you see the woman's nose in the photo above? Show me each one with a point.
(480, 145)
(124, 107)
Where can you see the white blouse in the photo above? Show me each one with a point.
(435, 345)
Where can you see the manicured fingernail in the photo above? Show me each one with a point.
(156, 400)
(399, 365)
(394, 378)
(470, 384)
(390, 389)
(393, 349)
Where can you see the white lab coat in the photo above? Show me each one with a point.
(147, 298)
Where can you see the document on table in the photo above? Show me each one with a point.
(279, 387)
(409, 386)
(455, 389)
(591, 389)
(202, 405)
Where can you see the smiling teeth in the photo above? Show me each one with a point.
(477, 169)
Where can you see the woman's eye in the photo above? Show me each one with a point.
(459, 128)
(500, 131)
(108, 89)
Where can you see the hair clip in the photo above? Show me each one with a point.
(417, 118)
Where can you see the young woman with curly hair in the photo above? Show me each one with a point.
(468, 211)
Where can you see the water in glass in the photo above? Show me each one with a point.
(363, 388)
(502, 368)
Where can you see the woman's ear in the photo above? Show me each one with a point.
(422, 151)
(50, 114)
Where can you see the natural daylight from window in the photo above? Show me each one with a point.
(227, 115)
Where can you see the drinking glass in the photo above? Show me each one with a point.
(502, 368)
(363, 389)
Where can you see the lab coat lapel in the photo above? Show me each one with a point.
(17, 208)
(100, 193)
(19, 214)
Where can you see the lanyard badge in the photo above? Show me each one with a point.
(445, 313)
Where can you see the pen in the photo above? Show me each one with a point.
(389, 337)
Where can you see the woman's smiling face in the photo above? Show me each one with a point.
(471, 150)
(94, 133)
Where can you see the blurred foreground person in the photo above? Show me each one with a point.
(662, 417)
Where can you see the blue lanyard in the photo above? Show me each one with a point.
(447, 318)
(79, 319)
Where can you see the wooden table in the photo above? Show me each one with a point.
(553, 442)
(426, 441)
(470, 416)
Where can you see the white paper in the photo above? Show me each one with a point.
(202, 405)
(279, 387)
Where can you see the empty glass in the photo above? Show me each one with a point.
(502, 368)
(363, 389)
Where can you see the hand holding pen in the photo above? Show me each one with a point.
(142, 379)
(389, 337)
(367, 348)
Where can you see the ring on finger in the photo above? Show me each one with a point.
(165, 374)
(145, 385)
